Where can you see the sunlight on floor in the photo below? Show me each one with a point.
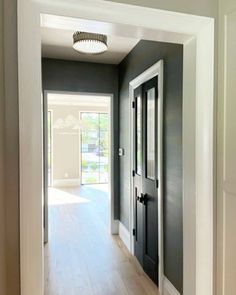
(100, 187)
(61, 197)
(81, 256)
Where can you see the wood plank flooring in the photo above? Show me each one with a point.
(82, 258)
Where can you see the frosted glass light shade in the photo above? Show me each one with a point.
(89, 42)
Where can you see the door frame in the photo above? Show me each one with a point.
(113, 223)
(45, 167)
(196, 33)
(155, 70)
(51, 173)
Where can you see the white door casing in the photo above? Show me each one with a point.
(194, 33)
(226, 147)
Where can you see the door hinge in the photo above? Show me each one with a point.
(134, 232)
(133, 173)
(157, 183)
(133, 104)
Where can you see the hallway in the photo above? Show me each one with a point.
(82, 258)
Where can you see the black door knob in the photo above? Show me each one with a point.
(143, 199)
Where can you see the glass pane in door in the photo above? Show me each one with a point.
(151, 133)
(138, 135)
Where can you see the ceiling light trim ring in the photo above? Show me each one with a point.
(93, 38)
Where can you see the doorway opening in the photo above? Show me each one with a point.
(80, 254)
(196, 33)
(77, 160)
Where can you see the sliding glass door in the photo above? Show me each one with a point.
(94, 147)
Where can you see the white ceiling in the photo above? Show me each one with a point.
(57, 32)
(57, 43)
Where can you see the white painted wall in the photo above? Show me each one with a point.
(200, 7)
(226, 178)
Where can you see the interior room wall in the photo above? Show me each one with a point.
(144, 55)
(66, 153)
(11, 144)
(2, 176)
(74, 76)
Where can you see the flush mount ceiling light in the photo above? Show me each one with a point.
(89, 42)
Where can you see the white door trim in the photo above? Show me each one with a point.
(198, 86)
(155, 70)
(168, 288)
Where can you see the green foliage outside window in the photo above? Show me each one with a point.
(95, 147)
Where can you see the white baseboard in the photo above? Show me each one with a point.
(168, 288)
(124, 235)
(66, 182)
(115, 227)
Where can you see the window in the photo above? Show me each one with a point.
(94, 147)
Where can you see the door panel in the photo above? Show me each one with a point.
(138, 152)
(145, 181)
(149, 179)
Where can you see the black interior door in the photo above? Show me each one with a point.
(146, 178)
(138, 206)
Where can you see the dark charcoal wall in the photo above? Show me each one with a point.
(62, 75)
(144, 55)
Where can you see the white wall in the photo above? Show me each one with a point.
(66, 144)
(226, 178)
(200, 7)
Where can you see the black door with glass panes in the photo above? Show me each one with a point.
(146, 177)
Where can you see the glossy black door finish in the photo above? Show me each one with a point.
(146, 179)
(138, 152)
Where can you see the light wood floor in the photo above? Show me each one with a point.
(82, 258)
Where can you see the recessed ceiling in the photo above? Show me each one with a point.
(57, 43)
